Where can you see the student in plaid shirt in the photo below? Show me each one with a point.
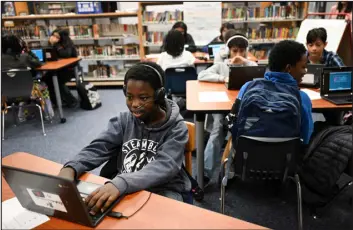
(317, 54)
(316, 41)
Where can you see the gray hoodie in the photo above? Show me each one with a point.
(154, 165)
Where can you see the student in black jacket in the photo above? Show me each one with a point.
(15, 55)
(182, 27)
(65, 48)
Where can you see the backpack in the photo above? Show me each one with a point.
(268, 109)
(89, 95)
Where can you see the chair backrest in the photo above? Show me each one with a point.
(176, 78)
(16, 84)
(266, 159)
(190, 146)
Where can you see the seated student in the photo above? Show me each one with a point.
(224, 28)
(65, 48)
(317, 54)
(181, 27)
(15, 55)
(316, 41)
(219, 72)
(174, 54)
(287, 65)
(147, 143)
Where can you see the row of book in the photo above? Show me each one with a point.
(89, 51)
(261, 54)
(275, 11)
(103, 71)
(273, 33)
(26, 32)
(234, 13)
(167, 16)
(154, 37)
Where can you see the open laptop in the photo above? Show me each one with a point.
(239, 75)
(336, 85)
(313, 75)
(39, 53)
(54, 196)
(213, 49)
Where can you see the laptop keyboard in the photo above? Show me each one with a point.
(94, 217)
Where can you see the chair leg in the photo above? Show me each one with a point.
(3, 125)
(223, 183)
(41, 117)
(299, 197)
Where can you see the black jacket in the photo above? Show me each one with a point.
(326, 159)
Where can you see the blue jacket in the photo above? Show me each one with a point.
(307, 125)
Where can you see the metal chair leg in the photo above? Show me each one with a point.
(41, 117)
(299, 197)
(3, 125)
(223, 193)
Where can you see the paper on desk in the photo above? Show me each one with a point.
(213, 96)
(312, 94)
(14, 216)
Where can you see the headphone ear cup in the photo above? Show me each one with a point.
(160, 95)
(124, 90)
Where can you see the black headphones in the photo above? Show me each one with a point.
(159, 94)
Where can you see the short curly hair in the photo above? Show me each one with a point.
(317, 33)
(144, 73)
(285, 53)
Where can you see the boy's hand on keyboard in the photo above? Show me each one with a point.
(102, 198)
(67, 173)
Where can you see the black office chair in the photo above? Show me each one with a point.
(17, 84)
(175, 80)
(263, 159)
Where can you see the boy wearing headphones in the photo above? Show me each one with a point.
(235, 53)
(144, 146)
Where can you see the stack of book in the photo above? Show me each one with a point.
(155, 37)
(275, 11)
(108, 51)
(269, 33)
(158, 17)
(233, 13)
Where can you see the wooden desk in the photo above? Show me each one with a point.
(55, 66)
(158, 213)
(201, 108)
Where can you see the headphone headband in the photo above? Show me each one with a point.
(154, 69)
(237, 36)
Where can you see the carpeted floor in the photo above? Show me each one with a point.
(254, 203)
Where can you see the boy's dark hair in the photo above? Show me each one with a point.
(174, 43)
(228, 26)
(144, 73)
(13, 44)
(236, 42)
(183, 26)
(316, 33)
(284, 53)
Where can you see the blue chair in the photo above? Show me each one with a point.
(176, 80)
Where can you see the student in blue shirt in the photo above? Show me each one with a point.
(287, 65)
(316, 41)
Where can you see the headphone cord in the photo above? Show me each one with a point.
(120, 215)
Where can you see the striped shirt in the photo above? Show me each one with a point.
(330, 59)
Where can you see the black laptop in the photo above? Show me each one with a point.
(54, 196)
(239, 75)
(336, 85)
(312, 78)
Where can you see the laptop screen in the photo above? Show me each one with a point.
(213, 49)
(39, 54)
(340, 81)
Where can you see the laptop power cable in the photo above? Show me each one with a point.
(119, 215)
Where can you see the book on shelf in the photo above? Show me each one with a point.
(106, 71)
(108, 51)
(153, 37)
(26, 32)
(116, 29)
(276, 10)
(234, 13)
(158, 17)
(269, 33)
